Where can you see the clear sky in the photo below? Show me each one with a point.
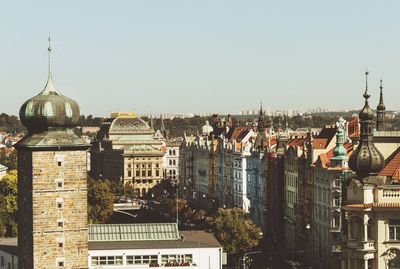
(201, 56)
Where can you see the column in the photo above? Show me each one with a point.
(365, 218)
(365, 264)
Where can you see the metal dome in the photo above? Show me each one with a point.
(49, 109)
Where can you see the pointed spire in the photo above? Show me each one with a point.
(366, 95)
(49, 50)
(49, 88)
(381, 105)
(260, 124)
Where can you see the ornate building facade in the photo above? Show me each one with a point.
(126, 150)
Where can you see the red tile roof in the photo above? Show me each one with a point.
(353, 127)
(320, 143)
(392, 167)
(324, 158)
(297, 142)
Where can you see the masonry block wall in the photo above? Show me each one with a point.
(53, 216)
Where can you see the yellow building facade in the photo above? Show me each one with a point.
(126, 150)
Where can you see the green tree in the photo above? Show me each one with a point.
(8, 158)
(8, 204)
(100, 200)
(236, 232)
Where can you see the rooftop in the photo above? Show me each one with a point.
(133, 232)
(392, 167)
(9, 245)
(189, 239)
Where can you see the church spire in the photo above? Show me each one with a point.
(381, 112)
(260, 124)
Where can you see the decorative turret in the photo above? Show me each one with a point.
(49, 109)
(340, 158)
(366, 159)
(381, 112)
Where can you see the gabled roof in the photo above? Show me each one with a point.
(297, 142)
(242, 135)
(327, 133)
(324, 158)
(392, 167)
(320, 143)
(218, 131)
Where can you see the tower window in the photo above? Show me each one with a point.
(60, 264)
(60, 224)
(59, 163)
(59, 205)
(60, 245)
(60, 183)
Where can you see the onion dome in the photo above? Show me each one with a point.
(366, 159)
(381, 105)
(49, 109)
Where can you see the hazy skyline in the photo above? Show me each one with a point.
(201, 56)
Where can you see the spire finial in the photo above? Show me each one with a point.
(49, 50)
(366, 95)
(381, 105)
(261, 111)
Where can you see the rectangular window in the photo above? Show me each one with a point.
(142, 259)
(137, 173)
(143, 173)
(180, 259)
(129, 173)
(336, 202)
(394, 229)
(107, 260)
(149, 173)
(157, 173)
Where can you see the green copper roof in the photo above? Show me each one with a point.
(52, 139)
(133, 232)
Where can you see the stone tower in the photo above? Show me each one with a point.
(52, 194)
(381, 113)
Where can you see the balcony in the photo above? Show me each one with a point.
(361, 245)
(389, 194)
